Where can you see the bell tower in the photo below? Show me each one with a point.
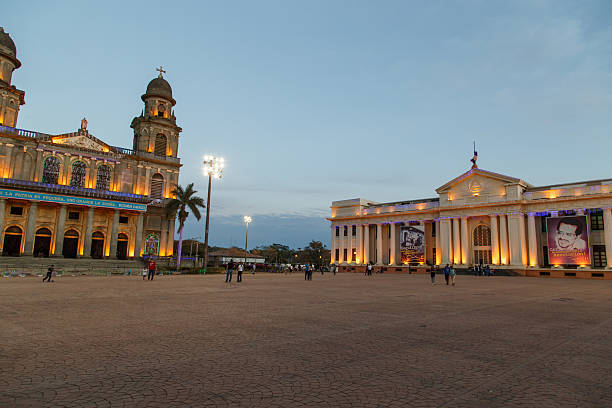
(11, 98)
(155, 130)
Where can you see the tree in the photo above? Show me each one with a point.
(316, 253)
(184, 198)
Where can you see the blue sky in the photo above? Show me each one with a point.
(316, 101)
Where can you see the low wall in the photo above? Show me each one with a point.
(581, 273)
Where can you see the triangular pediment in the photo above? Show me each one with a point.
(477, 181)
(81, 140)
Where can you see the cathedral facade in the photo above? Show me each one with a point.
(72, 195)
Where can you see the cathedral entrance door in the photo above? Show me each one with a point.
(71, 244)
(42, 242)
(122, 246)
(12, 242)
(97, 245)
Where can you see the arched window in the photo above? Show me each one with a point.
(482, 245)
(51, 170)
(122, 246)
(42, 242)
(157, 186)
(79, 172)
(97, 245)
(12, 241)
(482, 236)
(103, 179)
(160, 145)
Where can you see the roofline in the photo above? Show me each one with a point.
(588, 182)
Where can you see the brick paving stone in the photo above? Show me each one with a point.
(277, 341)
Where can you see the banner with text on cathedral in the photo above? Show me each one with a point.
(60, 199)
(412, 244)
(568, 240)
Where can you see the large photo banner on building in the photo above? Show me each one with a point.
(568, 240)
(412, 244)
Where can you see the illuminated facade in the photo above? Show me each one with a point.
(480, 217)
(73, 195)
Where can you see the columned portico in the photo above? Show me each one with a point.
(446, 246)
(359, 245)
(366, 244)
(88, 233)
(494, 240)
(438, 259)
(29, 242)
(349, 245)
(138, 240)
(379, 244)
(465, 243)
(456, 242)
(533, 241)
(342, 242)
(113, 237)
(392, 245)
(503, 240)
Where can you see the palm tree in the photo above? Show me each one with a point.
(184, 197)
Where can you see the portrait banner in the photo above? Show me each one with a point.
(412, 244)
(568, 240)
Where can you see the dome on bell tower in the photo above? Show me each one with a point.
(160, 88)
(8, 49)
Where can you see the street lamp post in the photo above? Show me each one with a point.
(247, 219)
(213, 167)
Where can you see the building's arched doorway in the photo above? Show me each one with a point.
(482, 245)
(122, 246)
(12, 241)
(97, 245)
(71, 244)
(42, 242)
(151, 245)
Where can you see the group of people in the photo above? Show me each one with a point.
(479, 270)
(449, 274)
(239, 268)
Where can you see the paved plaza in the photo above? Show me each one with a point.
(278, 341)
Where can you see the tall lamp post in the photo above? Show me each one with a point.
(247, 220)
(213, 167)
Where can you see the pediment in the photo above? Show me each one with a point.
(477, 182)
(82, 141)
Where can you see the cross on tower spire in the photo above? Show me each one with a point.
(161, 71)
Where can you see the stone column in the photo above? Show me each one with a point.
(59, 231)
(138, 238)
(170, 244)
(6, 173)
(114, 233)
(392, 245)
(379, 244)
(438, 248)
(607, 213)
(40, 161)
(349, 245)
(88, 233)
(465, 242)
(446, 242)
(163, 237)
(2, 211)
(533, 241)
(359, 245)
(366, 244)
(517, 243)
(30, 229)
(332, 251)
(503, 240)
(147, 182)
(456, 242)
(342, 242)
(494, 240)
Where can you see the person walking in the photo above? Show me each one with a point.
(310, 269)
(152, 267)
(229, 271)
(240, 269)
(452, 275)
(447, 273)
(253, 269)
(306, 272)
(369, 269)
(487, 270)
(334, 269)
(49, 275)
(432, 273)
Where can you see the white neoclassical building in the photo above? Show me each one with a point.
(482, 217)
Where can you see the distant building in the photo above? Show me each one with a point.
(482, 218)
(223, 256)
(72, 194)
